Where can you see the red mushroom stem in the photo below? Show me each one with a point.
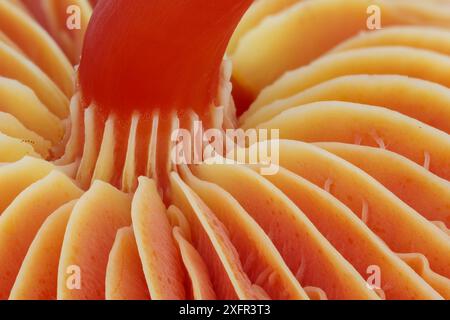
(143, 55)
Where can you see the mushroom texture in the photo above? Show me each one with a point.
(93, 206)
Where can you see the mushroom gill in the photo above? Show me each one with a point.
(92, 205)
